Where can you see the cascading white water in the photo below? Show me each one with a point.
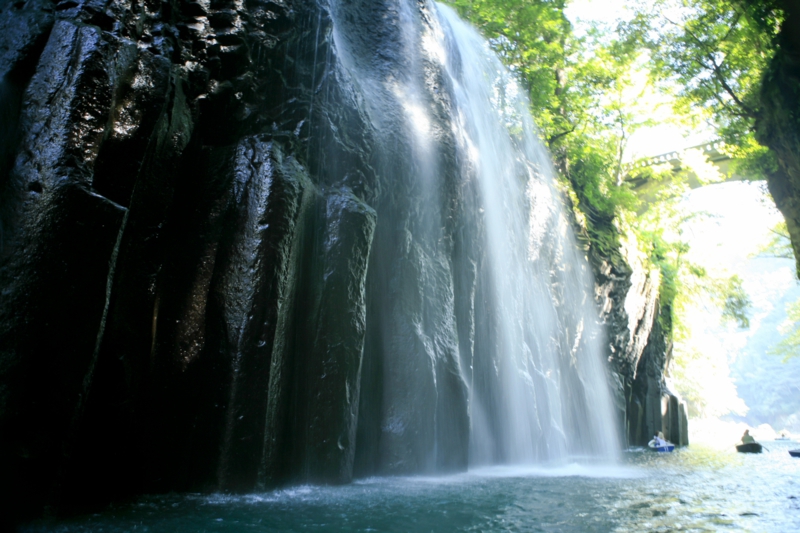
(462, 168)
(533, 257)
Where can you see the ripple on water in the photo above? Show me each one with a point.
(693, 489)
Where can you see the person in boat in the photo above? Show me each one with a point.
(659, 440)
(747, 437)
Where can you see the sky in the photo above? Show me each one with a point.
(606, 11)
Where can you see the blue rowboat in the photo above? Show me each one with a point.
(661, 449)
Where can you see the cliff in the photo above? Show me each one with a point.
(156, 233)
(639, 346)
(219, 274)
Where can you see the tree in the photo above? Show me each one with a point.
(779, 245)
(789, 346)
(712, 55)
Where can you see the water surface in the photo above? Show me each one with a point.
(693, 489)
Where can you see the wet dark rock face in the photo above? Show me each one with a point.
(190, 202)
(175, 230)
(639, 349)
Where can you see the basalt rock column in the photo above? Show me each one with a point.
(333, 367)
(639, 348)
(164, 175)
(58, 234)
(271, 196)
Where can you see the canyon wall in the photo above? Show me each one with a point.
(195, 214)
(639, 347)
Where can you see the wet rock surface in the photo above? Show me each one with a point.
(158, 230)
(639, 348)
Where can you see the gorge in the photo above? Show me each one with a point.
(255, 243)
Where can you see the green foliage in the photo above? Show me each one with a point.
(659, 231)
(779, 245)
(734, 301)
(530, 37)
(711, 55)
(789, 346)
(590, 172)
(702, 377)
(685, 284)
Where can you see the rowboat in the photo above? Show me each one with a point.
(661, 449)
(749, 447)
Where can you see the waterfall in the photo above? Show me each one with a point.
(307, 241)
(483, 344)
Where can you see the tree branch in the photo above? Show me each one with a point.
(557, 136)
(721, 78)
(728, 108)
(717, 68)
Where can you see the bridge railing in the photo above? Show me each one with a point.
(712, 150)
